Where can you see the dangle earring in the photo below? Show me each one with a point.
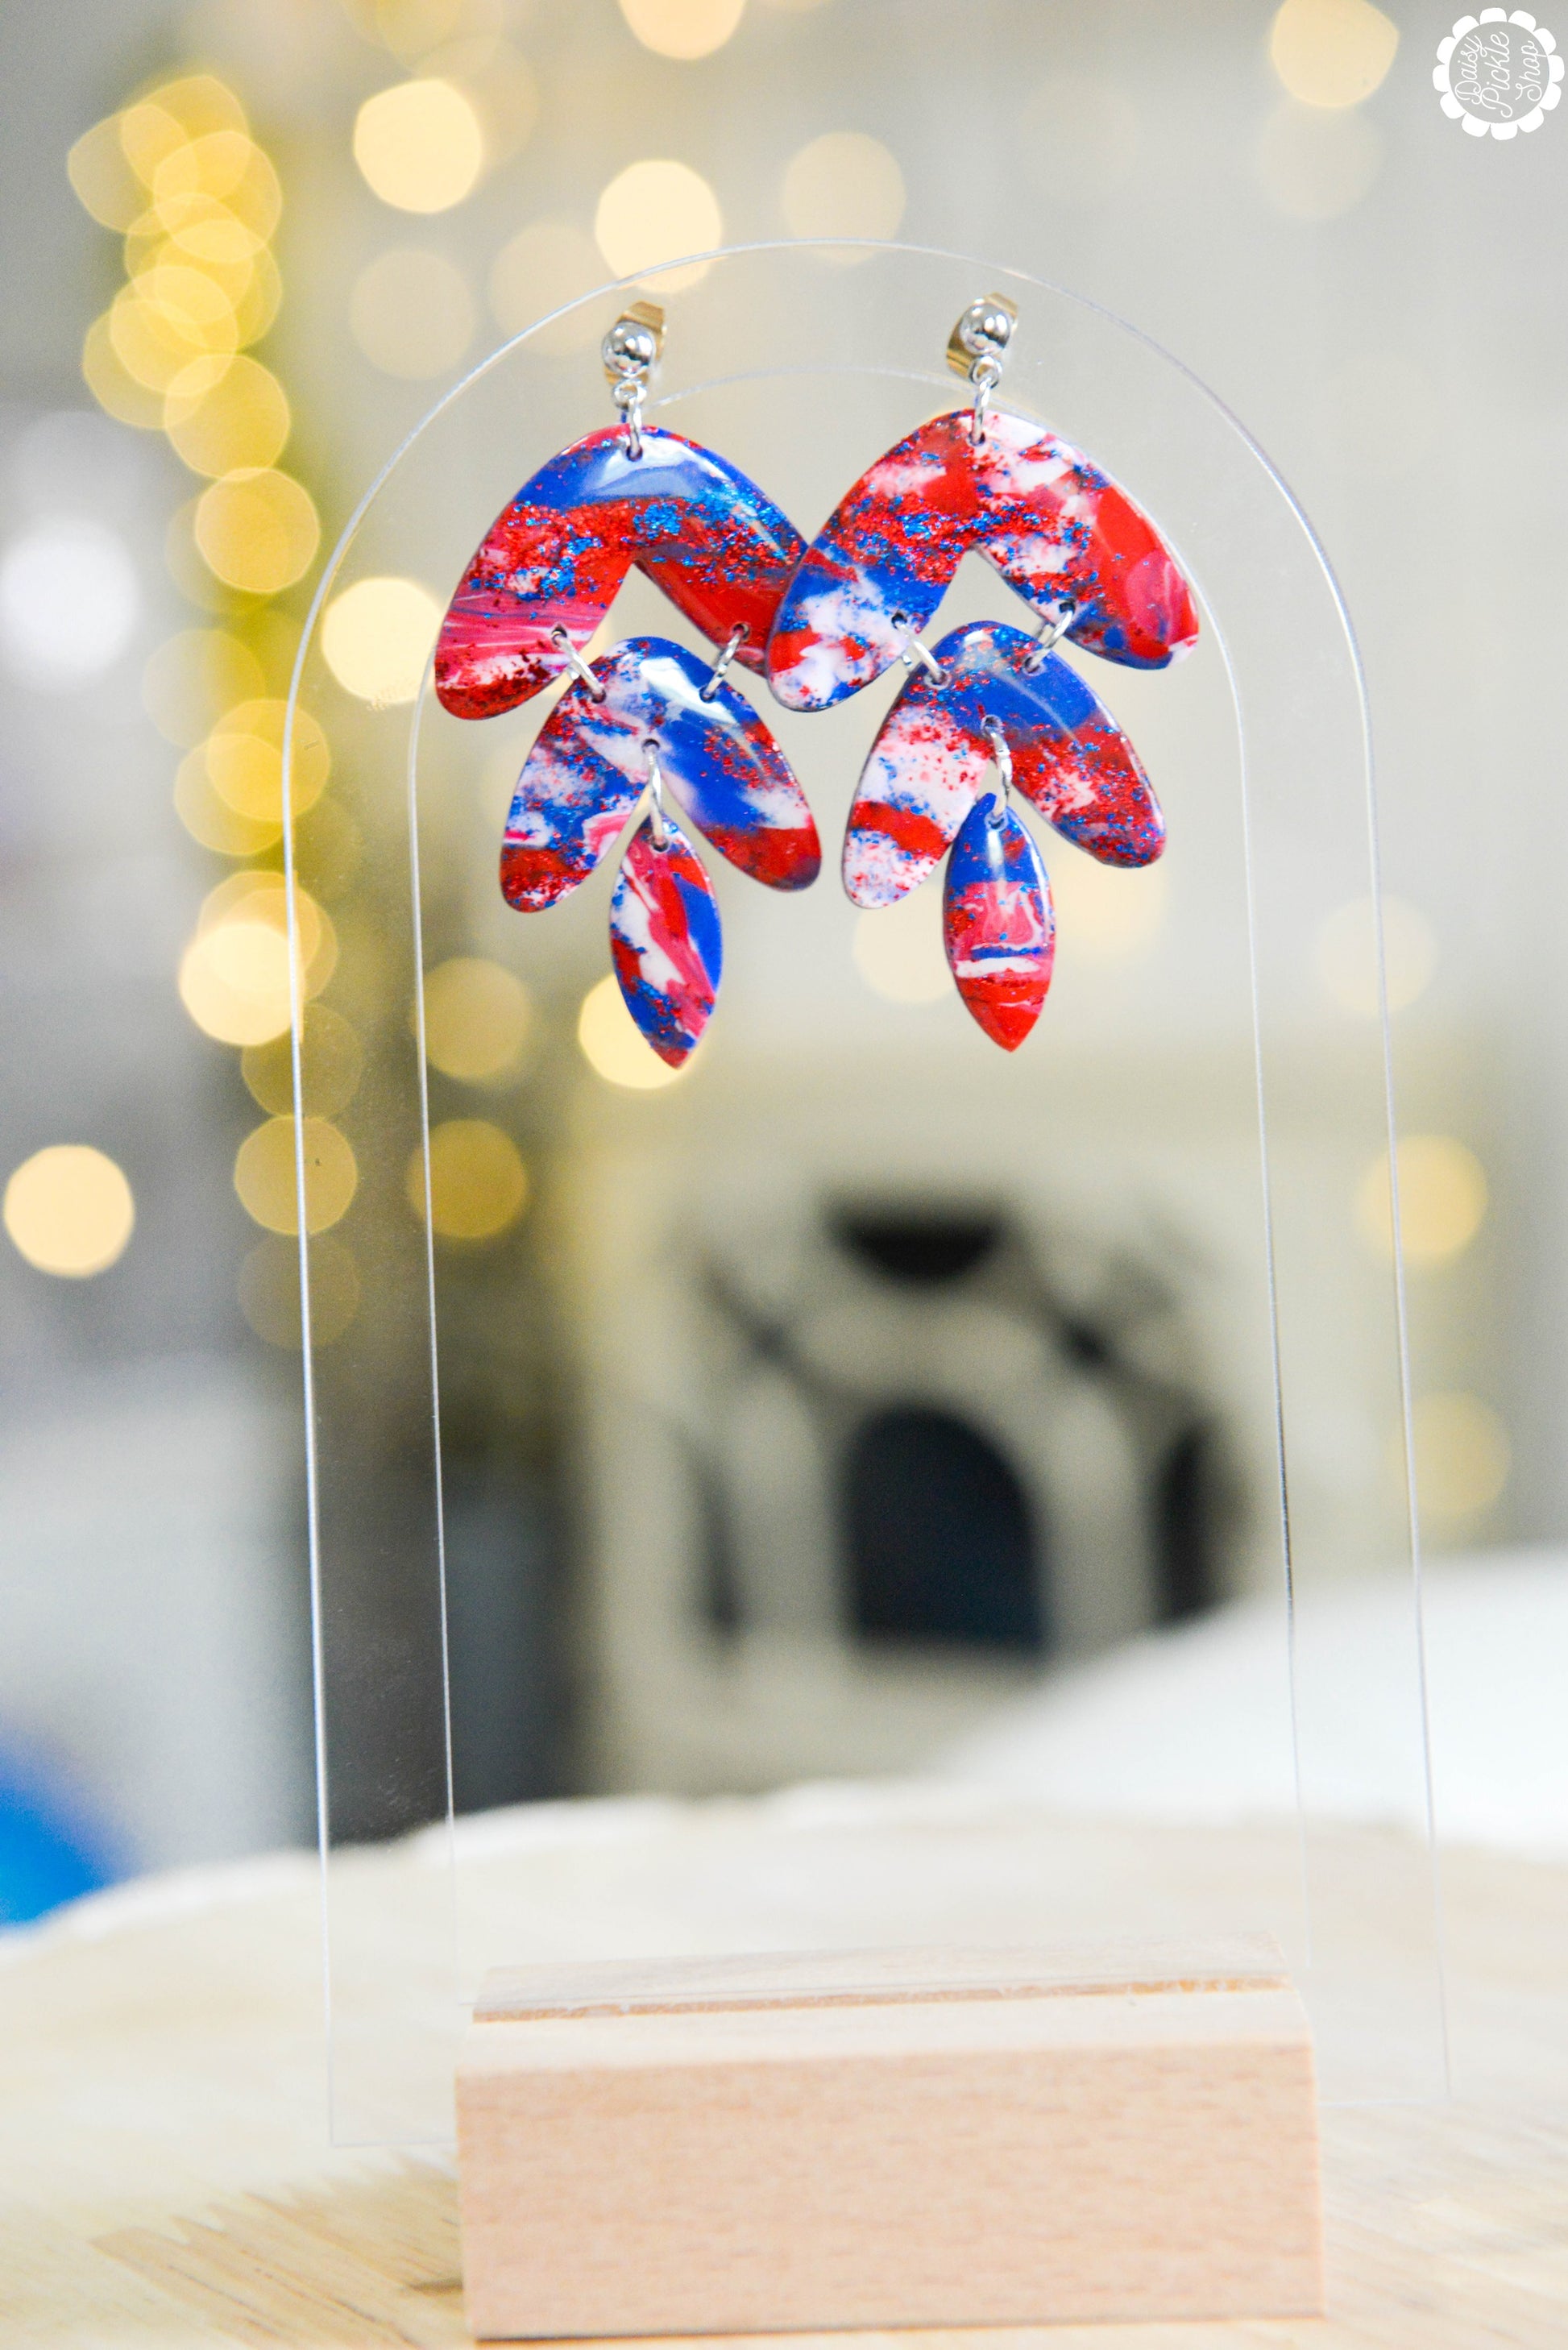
(1072, 545)
(647, 714)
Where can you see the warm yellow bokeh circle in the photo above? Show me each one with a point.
(69, 1211)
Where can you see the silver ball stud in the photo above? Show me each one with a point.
(633, 344)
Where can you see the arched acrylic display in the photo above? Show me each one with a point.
(1188, 1124)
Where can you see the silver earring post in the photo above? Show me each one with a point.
(976, 348)
(631, 353)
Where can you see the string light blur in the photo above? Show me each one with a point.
(267, 1178)
(331, 1062)
(478, 1019)
(420, 145)
(69, 1212)
(69, 603)
(269, 1291)
(653, 212)
(1332, 53)
(1443, 1201)
(682, 28)
(377, 638)
(478, 1183)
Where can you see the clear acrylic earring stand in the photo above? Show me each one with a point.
(801, 362)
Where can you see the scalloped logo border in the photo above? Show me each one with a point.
(1460, 55)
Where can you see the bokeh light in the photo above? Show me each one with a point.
(193, 678)
(682, 28)
(233, 976)
(331, 1061)
(69, 603)
(236, 420)
(411, 314)
(1462, 1457)
(654, 212)
(614, 1047)
(899, 950)
(1442, 1200)
(1109, 915)
(1316, 166)
(257, 530)
(265, 1175)
(211, 820)
(1332, 53)
(269, 1291)
(233, 982)
(244, 757)
(478, 1183)
(377, 638)
(1345, 955)
(420, 145)
(548, 263)
(69, 1211)
(478, 1017)
(844, 185)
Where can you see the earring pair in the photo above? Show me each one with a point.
(991, 715)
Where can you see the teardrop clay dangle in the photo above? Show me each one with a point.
(998, 924)
(665, 938)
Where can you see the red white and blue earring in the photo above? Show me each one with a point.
(649, 713)
(1074, 545)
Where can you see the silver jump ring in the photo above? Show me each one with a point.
(914, 651)
(1003, 758)
(1053, 626)
(655, 796)
(732, 643)
(575, 663)
(985, 375)
(628, 396)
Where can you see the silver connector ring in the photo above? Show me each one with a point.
(578, 665)
(914, 651)
(1002, 756)
(732, 643)
(1053, 626)
(655, 796)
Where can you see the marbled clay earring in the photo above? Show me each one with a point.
(649, 713)
(1074, 545)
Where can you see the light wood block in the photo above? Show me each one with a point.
(900, 2138)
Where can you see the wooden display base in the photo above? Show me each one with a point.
(889, 2138)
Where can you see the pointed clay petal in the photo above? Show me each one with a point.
(915, 791)
(997, 923)
(1052, 524)
(1069, 758)
(665, 939)
(557, 554)
(590, 764)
